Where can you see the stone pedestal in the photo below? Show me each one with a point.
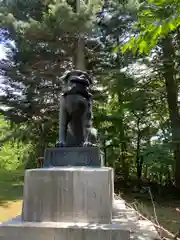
(74, 156)
(67, 203)
(69, 194)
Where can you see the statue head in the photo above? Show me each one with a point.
(78, 77)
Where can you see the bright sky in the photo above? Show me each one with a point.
(2, 51)
(2, 55)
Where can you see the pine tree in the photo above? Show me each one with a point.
(44, 35)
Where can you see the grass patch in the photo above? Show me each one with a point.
(11, 191)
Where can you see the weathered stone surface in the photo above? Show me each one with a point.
(74, 156)
(128, 219)
(68, 194)
(62, 231)
(123, 219)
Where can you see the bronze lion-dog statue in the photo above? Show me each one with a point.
(75, 127)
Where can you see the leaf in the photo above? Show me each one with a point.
(172, 25)
(143, 47)
(125, 48)
(147, 13)
(116, 49)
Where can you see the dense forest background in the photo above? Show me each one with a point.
(131, 49)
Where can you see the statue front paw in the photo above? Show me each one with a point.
(88, 144)
(60, 144)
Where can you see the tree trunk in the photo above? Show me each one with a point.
(80, 54)
(123, 144)
(172, 99)
(124, 162)
(139, 158)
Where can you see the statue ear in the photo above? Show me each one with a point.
(90, 80)
(66, 77)
(88, 77)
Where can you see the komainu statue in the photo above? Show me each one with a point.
(75, 127)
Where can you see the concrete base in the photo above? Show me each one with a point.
(73, 156)
(124, 219)
(62, 231)
(69, 194)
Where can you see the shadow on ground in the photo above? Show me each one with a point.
(11, 186)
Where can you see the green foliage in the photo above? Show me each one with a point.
(158, 157)
(130, 107)
(156, 19)
(50, 17)
(13, 154)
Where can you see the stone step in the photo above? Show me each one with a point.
(144, 230)
(13, 220)
(63, 231)
(126, 219)
(121, 211)
(139, 230)
(129, 220)
(119, 204)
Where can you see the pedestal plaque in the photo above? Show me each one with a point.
(73, 156)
